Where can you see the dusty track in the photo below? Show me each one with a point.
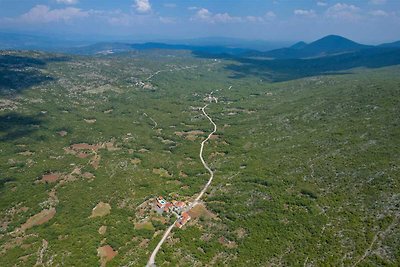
(152, 258)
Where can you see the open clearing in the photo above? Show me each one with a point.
(38, 219)
(101, 209)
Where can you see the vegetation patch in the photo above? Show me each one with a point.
(200, 211)
(106, 254)
(90, 121)
(144, 226)
(62, 133)
(50, 177)
(38, 219)
(100, 210)
(26, 153)
(162, 172)
(102, 230)
(136, 161)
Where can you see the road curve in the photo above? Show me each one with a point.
(151, 262)
(195, 202)
(152, 259)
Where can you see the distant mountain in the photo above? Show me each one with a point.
(394, 44)
(261, 45)
(288, 69)
(110, 48)
(299, 45)
(328, 45)
(98, 48)
(35, 42)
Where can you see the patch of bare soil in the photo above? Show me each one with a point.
(143, 150)
(85, 146)
(201, 211)
(162, 172)
(182, 174)
(144, 208)
(95, 162)
(216, 154)
(106, 254)
(26, 153)
(214, 137)
(90, 121)
(101, 209)
(50, 177)
(38, 219)
(88, 175)
(144, 243)
(159, 218)
(240, 232)
(110, 146)
(146, 225)
(227, 243)
(190, 135)
(82, 155)
(102, 230)
(136, 161)
(62, 133)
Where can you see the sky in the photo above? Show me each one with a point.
(365, 21)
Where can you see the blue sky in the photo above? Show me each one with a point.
(368, 21)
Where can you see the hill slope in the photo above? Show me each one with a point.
(328, 45)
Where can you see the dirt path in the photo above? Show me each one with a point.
(380, 234)
(195, 202)
(151, 262)
(155, 123)
(170, 70)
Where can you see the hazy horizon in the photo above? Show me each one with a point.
(369, 22)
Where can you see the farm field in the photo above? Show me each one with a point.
(306, 166)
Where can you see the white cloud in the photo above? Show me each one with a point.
(319, 3)
(343, 11)
(193, 8)
(378, 13)
(270, 15)
(120, 20)
(167, 20)
(67, 2)
(254, 19)
(205, 15)
(304, 13)
(43, 14)
(377, 2)
(225, 18)
(142, 6)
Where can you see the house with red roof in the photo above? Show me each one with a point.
(178, 206)
(185, 217)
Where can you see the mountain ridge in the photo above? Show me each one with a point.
(325, 46)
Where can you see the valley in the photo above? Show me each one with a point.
(304, 168)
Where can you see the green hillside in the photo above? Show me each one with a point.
(306, 159)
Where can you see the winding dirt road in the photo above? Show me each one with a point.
(151, 262)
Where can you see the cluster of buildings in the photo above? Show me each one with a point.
(176, 207)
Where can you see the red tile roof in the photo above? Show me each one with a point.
(179, 204)
(182, 220)
(167, 206)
